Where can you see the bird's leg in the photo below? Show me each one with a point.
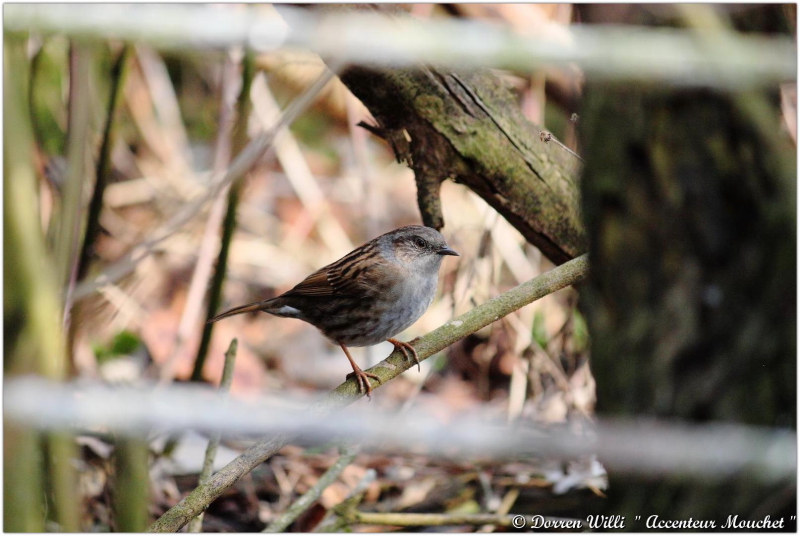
(405, 347)
(361, 377)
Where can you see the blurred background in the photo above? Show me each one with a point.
(130, 271)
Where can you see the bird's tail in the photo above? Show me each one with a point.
(250, 307)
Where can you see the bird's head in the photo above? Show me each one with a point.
(417, 247)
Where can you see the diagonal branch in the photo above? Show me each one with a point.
(563, 276)
(312, 495)
(238, 143)
(213, 444)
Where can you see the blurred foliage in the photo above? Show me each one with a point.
(313, 129)
(124, 343)
(556, 119)
(196, 82)
(539, 331)
(580, 332)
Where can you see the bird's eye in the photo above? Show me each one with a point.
(420, 243)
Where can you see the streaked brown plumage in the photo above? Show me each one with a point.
(367, 296)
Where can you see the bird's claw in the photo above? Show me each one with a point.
(405, 347)
(362, 378)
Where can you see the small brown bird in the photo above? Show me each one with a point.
(369, 295)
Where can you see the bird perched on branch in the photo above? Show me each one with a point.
(369, 295)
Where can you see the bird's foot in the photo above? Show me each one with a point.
(363, 380)
(405, 348)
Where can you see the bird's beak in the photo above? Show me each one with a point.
(448, 251)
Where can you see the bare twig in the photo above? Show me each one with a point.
(436, 520)
(196, 524)
(333, 522)
(505, 506)
(312, 495)
(229, 87)
(102, 173)
(60, 447)
(548, 137)
(71, 206)
(238, 143)
(103, 166)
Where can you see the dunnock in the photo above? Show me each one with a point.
(367, 296)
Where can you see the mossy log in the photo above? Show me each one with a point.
(468, 127)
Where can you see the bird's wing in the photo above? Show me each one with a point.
(314, 285)
(358, 274)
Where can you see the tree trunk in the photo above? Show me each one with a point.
(689, 199)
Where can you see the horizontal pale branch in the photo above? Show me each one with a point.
(196, 524)
(622, 53)
(429, 520)
(656, 448)
(440, 520)
(313, 494)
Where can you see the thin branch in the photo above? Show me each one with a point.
(335, 522)
(71, 206)
(548, 137)
(312, 495)
(238, 143)
(60, 448)
(505, 507)
(103, 167)
(501, 519)
(565, 275)
(196, 524)
(102, 175)
(428, 520)
(229, 88)
(707, 452)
